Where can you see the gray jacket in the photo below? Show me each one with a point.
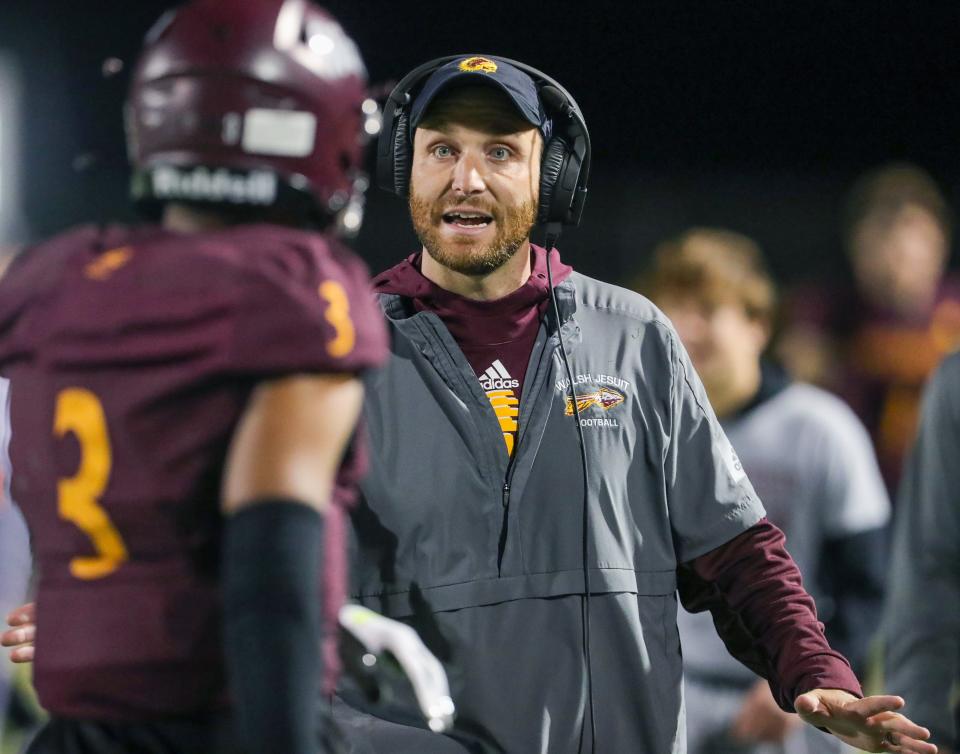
(484, 554)
(922, 621)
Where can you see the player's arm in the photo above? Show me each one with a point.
(279, 474)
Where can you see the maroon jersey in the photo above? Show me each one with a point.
(132, 354)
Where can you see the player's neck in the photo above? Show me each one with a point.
(183, 219)
(486, 287)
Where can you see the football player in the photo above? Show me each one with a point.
(184, 397)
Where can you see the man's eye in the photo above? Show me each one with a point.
(442, 150)
(500, 153)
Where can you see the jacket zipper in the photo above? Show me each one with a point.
(505, 499)
(505, 495)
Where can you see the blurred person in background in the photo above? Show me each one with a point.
(922, 616)
(184, 402)
(876, 341)
(812, 464)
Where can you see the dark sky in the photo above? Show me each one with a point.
(754, 115)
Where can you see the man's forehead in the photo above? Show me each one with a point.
(455, 127)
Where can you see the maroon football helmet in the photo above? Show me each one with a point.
(249, 103)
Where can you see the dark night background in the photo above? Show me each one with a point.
(754, 116)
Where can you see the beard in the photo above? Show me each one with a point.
(513, 224)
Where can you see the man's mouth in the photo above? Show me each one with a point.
(467, 219)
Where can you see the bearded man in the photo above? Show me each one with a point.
(547, 580)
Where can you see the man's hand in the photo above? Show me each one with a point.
(21, 635)
(378, 634)
(760, 719)
(870, 724)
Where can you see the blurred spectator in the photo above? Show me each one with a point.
(922, 619)
(809, 459)
(877, 339)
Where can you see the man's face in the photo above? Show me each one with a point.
(899, 264)
(474, 182)
(723, 341)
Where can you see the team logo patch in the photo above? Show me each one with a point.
(605, 398)
(485, 65)
(595, 391)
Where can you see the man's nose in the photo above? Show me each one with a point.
(468, 174)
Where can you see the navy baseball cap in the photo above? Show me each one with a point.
(484, 69)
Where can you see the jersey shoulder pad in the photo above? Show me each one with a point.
(304, 305)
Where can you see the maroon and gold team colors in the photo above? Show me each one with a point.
(131, 354)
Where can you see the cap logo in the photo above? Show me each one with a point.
(484, 65)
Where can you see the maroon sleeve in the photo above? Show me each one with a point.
(765, 617)
(315, 318)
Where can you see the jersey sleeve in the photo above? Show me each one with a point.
(322, 319)
(709, 496)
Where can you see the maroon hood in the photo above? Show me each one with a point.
(405, 278)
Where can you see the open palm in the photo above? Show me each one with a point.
(871, 724)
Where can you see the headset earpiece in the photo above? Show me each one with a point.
(551, 166)
(554, 100)
(402, 155)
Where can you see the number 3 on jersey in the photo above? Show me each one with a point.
(79, 412)
(338, 315)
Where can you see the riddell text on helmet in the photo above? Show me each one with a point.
(221, 185)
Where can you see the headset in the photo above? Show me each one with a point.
(564, 165)
(564, 172)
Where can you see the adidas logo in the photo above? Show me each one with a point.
(498, 378)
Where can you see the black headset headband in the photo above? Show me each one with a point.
(565, 165)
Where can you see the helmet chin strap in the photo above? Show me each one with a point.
(551, 236)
